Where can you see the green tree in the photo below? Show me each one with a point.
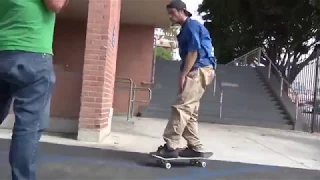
(315, 3)
(169, 34)
(287, 29)
(163, 53)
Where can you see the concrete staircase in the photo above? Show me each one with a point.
(249, 104)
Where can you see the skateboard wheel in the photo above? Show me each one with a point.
(203, 164)
(193, 162)
(167, 165)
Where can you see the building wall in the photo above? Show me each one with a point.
(135, 57)
(69, 46)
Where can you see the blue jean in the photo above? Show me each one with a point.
(26, 79)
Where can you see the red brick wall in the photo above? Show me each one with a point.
(69, 45)
(99, 63)
(135, 50)
(134, 60)
(135, 57)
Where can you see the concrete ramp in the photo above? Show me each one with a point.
(246, 100)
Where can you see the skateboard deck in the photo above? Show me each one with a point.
(196, 161)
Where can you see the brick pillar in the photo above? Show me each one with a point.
(99, 69)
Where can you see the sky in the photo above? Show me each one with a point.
(192, 6)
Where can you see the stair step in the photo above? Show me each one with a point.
(252, 103)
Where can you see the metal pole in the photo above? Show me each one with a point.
(315, 95)
(297, 107)
(130, 100)
(221, 101)
(214, 85)
(245, 60)
(281, 86)
(259, 56)
(154, 60)
(269, 70)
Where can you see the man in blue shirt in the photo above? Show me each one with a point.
(196, 73)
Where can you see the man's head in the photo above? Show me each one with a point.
(177, 11)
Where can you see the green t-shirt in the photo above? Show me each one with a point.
(26, 25)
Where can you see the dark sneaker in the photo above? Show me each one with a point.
(166, 152)
(189, 152)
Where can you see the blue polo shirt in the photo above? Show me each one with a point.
(194, 36)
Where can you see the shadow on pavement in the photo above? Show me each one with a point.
(61, 162)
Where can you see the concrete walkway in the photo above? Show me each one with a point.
(246, 153)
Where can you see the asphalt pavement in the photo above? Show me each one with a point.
(62, 162)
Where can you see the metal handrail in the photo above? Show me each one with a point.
(278, 71)
(282, 81)
(145, 89)
(131, 93)
(237, 59)
(133, 101)
(221, 86)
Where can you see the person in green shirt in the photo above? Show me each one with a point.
(26, 76)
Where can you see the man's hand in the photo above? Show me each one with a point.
(190, 60)
(56, 5)
(182, 81)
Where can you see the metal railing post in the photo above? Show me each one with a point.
(154, 60)
(140, 89)
(130, 99)
(221, 102)
(297, 106)
(269, 70)
(131, 94)
(259, 56)
(214, 85)
(281, 87)
(246, 60)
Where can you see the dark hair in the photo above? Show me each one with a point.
(179, 6)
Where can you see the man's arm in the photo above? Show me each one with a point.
(190, 60)
(193, 47)
(55, 5)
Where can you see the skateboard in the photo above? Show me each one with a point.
(195, 161)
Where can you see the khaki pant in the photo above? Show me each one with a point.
(184, 114)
